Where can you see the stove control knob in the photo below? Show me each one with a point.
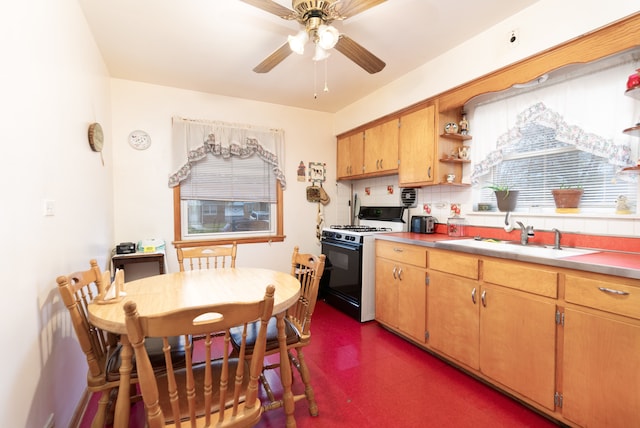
(338, 236)
(352, 238)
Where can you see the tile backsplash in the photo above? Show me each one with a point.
(384, 191)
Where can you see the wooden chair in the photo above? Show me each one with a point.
(101, 349)
(77, 291)
(215, 392)
(308, 269)
(211, 257)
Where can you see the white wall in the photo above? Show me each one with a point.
(53, 84)
(142, 200)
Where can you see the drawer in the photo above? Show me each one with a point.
(603, 294)
(454, 263)
(521, 276)
(404, 253)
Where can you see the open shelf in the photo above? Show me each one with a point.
(633, 92)
(634, 130)
(454, 160)
(455, 184)
(460, 137)
(631, 170)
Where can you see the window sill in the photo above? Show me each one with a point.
(226, 241)
(550, 212)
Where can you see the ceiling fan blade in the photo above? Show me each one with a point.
(273, 7)
(356, 53)
(274, 59)
(348, 8)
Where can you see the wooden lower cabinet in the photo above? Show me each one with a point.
(601, 371)
(401, 290)
(506, 334)
(454, 317)
(518, 342)
(566, 342)
(601, 352)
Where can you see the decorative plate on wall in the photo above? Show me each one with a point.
(96, 137)
(139, 140)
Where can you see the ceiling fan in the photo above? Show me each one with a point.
(317, 16)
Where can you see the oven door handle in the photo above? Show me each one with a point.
(339, 245)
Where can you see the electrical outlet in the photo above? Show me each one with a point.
(49, 207)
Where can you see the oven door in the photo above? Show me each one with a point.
(342, 277)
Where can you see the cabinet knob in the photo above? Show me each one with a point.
(483, 297)
(473, 295)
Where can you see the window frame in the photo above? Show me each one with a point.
(180, 243)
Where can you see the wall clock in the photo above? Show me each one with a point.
(139, 140)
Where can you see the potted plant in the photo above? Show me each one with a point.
(567, 198)
(506, 198)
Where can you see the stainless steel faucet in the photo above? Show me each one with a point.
(556, 241)
(526, 232)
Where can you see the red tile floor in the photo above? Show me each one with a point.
(364, 376)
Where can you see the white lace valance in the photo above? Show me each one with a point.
(193, 140)
(616, 154)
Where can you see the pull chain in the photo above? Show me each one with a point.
(326, 86)
(315, 80)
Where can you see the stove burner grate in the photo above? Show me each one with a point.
(356, 228)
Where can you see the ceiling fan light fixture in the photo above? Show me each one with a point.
(327, 36)
(297, 42)
(320, 53)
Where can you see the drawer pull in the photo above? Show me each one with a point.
(397, 250)
(473, 295)
(612, 291)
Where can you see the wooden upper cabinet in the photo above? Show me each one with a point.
(381, 148)
(350, 153)
(417, 147)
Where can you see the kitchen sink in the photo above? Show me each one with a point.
(515, 247)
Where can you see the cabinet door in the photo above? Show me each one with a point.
(518, 342)
(412, 301)
(417, 147)
(386, 292)
(381, 148)
(601, 371)
(453, 317)
(350, 152)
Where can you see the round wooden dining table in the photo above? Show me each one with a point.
(165, 293)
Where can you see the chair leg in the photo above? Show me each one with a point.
(301, 365)
(101, 413)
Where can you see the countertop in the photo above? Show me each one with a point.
(618, 263)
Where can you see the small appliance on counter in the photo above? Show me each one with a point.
(423, 224)
(126, 248)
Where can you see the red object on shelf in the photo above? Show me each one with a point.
(634, 80)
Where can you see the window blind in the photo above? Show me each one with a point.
(230, 179)
(538, 163)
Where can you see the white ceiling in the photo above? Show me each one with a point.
(213, 45)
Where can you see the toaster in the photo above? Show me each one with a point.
(423, 224)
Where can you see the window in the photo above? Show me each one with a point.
(566, 132)
(538, 162)
(230, 189)
(228, 197)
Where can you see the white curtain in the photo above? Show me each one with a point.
(588, 111)
(193, 140)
